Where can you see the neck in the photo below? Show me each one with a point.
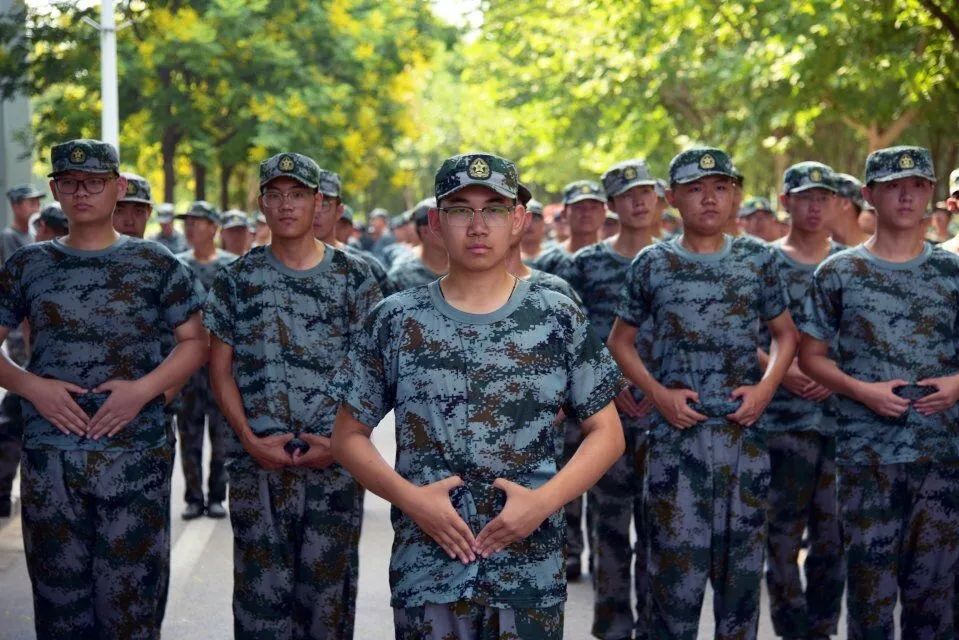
(514, 264)
(848, 232)
(204, 250)
(91, 237)
(478, 291)
(531, 247)
(20, 225)
(896, 245)
(629, 242)
(435, 258)
(298, 253)
(698, 243)
(579, 240)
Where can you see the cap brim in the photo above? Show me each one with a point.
(139, 200)
(482, 183)
(581, 197)
(910, 173)
(56, 173)
(626, 187)
(807, 187)
(524, 194)
(235, 225)
(706, 174)
(291, 177)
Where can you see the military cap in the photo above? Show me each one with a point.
(24, 192)
(893, 163)
(138, 189)
(803, 176)
(954, 182)
(164, 212)
(347, 213)
(419, 213)
(260, 218)
(581, 190)
(330, 184)
(90, 156)
(754, 205)
(523, 194)
(699, 162)
(233, 218)
(661, 187)
(297, 166)
(479, 168)
(848, 187)
(379, 212)
(201, 209)
(251, 225)
(625, 175)
(535, 207)
(53, 215)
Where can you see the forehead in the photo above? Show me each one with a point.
(710, 180)
(908, 180)
(475, 193)
(284, 183)
(82, 175)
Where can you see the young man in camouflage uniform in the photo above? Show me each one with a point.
(757, 218)
(706, 296)
(584, 205)
(283, 318)
(535, 235)
(198, 410)
(598, 273)
(476, 366)
(168, 236)
(51, 223)
(235, 236)
(425, 264)
(328, 213)
(133, 209)
(800, 435)
(98, 457)
(892, 307)
(847, 206)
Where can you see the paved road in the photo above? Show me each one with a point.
(201, 578)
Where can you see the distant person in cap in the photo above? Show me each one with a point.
(168, 235)
(133, 208)
(50, 223)
(880, 326)
(380, 235)
(345, 228)
(801, 434)
(704, 296)
(610, 226)
(584, 206)
(198, 409)
(235, 236)
(559, 228)
(427, 262)
(849, 204)
(262, 237)
(24, 203)
(952, 204)
(939, 221)
(867, 219)
(283, 318)
(478, 549)
(534, 234)
(325, 222)
(98, 456)
(757, 218)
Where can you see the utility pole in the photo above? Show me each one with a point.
(110, 116)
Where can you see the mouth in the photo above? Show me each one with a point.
(478, 249)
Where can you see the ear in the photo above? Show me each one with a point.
(867, 194)
(121, 187)
(434, 222)
(784, 201)
(340, 208)
(53, 188)
(671, 197)
(519, 220)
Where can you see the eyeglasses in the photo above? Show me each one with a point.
(493, 216)
(275, 199)
(69, 186)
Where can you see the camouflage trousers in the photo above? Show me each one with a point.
(802, 496)
(295, 544)
(617, 503)
(11, 422)
(198, 408)
(900, 524)
(471, 621)
(573, 511)
(96, 530)
(705, 520)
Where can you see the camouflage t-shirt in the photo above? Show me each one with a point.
(11, 240)
(554, 260)
(97, 316)
(290, 331)
(706, 311)
(787, 411)
(475, 396)
(376, 267)
(410, 273)
(175, 242)
(555, 283)
(206, 271)
(890, 320)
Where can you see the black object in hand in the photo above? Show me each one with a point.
(295, 445)
(914, 391)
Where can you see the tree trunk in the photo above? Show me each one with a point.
(168, 144)
(199, 181)
(226, 172)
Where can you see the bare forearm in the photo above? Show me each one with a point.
(826, 372)
(782, 350)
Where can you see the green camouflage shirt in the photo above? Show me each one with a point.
(787, 411)
(554, 260)
(206, 272)
(555, 283)
(706, 312)
(376, 267)
(97, 316)
(290, 331)
(890, 320)
(410, 273)
(475, 396)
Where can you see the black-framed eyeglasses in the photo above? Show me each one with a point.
(496, 215)
(93, 186)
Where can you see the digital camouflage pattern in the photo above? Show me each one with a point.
(755, 205)
(203, 210)
(803, 498)
(535, 208)
(411, 273)
(175, 242)
(581, 190)
(469, 621)
(96, 531)
(24, 192)
(233, 218)
(598, 272)
(138, 189)
(97, 316)
(376, 268)
(12, 239)
(787, 411)
(554, 260)
(475, 395)
(207, 271)
(699, 162)
(484, 169)
(625, 175)
(301, 168)
(899, 526)
(849, 187)
(196, 406)
(892, 163)
(889, 320)
(89, 156)
(554, 283)
(803, 176)
(290, 331)
(295, 553)
(330, 185)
